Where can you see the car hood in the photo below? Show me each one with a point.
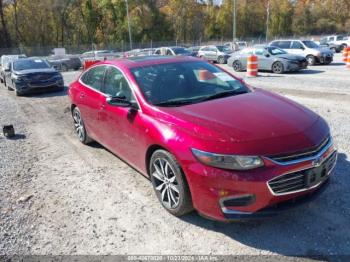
(291, 57)
(34, 71)
(263, 122)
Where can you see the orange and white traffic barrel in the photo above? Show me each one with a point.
(252, 66)
(348, 59)
(345, 54)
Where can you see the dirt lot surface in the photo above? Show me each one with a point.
(58, 196)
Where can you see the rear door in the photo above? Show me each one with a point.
(263, 61)
(297, 48)
(90, 99)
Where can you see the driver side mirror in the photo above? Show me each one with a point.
(302, 48)
(118, 100)
(267, 55)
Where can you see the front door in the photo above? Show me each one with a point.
(122, 127)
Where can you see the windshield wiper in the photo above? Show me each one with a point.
(174, 103)
(223, 94)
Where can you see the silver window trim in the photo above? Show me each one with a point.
(109, 65)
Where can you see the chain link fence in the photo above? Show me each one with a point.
(44, 51)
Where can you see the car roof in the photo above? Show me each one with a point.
(140, 61)
(260, 46)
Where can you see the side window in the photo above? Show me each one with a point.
(284, 44)
(296, 45)
(168, 52)
(157, 52)
(94, 77)
(116, 84)
(212, 49)
(331, 38)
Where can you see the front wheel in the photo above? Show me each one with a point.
(311, 60)
(169, 183)
(79, 127)
(277, 68)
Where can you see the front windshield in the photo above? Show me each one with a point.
(310, 44)
(223, 48)
(276, 51)
(30, 64)
(180, 50)
(181, 83)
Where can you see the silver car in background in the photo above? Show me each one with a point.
(314, 53)
(215, 53)
(270, 58)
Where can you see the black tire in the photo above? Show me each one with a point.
(79, 127)
(277, 68)
(311, 60)
(221, 60)
(237, 66)
(170, 186)
(18, 93)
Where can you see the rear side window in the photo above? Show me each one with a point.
(296, 45)
(94, 77)
(284, 44)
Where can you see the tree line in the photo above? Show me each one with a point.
(78, 22)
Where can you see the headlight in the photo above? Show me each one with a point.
(233, 162)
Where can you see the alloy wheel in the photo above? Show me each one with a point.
(78, 124)
(277, 68)
(166, 183)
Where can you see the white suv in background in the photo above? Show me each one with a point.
(307, 48)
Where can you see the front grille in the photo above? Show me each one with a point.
(304, 179)
(311, 152)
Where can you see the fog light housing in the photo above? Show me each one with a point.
(238, 201)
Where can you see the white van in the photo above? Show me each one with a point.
(306, 48)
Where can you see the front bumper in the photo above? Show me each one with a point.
(325, 59)
(279, 207)
(26, 88)
(210, 187)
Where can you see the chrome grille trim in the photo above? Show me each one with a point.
(332, 162)
(321, 150)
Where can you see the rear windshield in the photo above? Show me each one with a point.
(20, 65)
(185, 83)
(180, 50)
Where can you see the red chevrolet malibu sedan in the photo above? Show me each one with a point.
(206, 140)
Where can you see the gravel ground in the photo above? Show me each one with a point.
(59, 197)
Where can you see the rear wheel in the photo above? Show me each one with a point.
(237, 66)
(277, 68)
(169, 183)
(311, 60)
(222, 60)
(79, 127)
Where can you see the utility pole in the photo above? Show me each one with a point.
(267, 21)
(127, 14)
(234, 21)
